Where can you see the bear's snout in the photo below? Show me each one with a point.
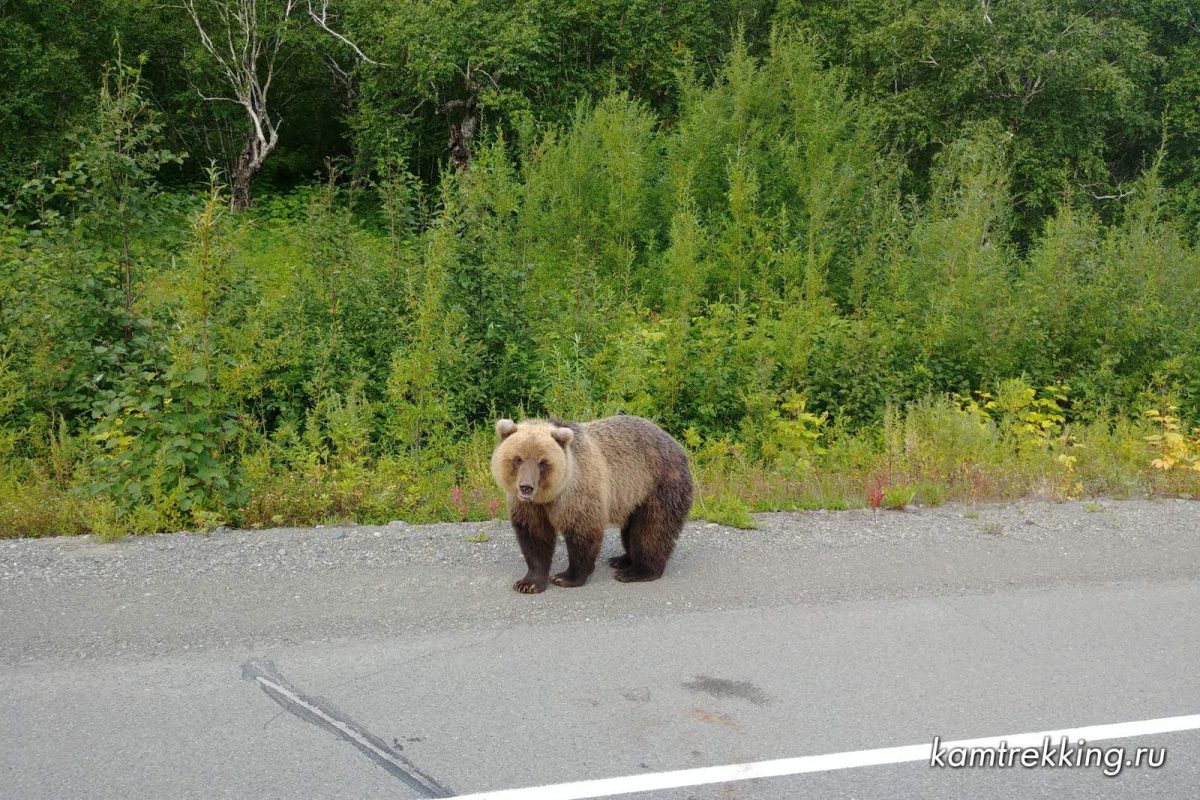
(525, 491)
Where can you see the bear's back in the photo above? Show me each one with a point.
(638, 455)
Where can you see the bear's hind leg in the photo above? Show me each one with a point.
(582, 549)
(653, 540)
(631, 528)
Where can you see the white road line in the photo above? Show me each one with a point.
(607, 787)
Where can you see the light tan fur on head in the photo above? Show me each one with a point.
(535, 455)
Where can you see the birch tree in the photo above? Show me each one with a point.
(248, 41)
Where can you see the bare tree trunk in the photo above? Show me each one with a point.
(245, 41)
(243, 173)
(462, 132)
(460, 144)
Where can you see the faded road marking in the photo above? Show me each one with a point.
(323, 715)
(608, 787)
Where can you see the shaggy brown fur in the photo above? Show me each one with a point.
(574, 478)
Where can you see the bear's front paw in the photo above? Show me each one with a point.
(567, 580)
(528, 585)
(620, 562)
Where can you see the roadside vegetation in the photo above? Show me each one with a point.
(838, 282)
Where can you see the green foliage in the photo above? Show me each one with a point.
(1083, 93)
(726, 509)
(33, 504)
(1068, 83)
(746, 267)
(164, 428)
(524, 65)
(1176, 448)
(897, 498)
(50, 54)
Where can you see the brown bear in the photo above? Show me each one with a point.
(574, 478)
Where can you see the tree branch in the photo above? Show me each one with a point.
(252, 38)
(322, 21)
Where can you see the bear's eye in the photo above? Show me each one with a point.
(516, 461)
(543, 465)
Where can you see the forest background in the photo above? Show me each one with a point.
(271, 262)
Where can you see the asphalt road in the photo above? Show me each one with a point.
(396, 661)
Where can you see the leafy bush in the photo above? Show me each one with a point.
(747, 272)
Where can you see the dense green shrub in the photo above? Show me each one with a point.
(749, 273)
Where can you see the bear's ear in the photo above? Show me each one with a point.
(505, 428)
(563, 436)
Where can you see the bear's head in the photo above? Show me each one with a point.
(532, 462)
